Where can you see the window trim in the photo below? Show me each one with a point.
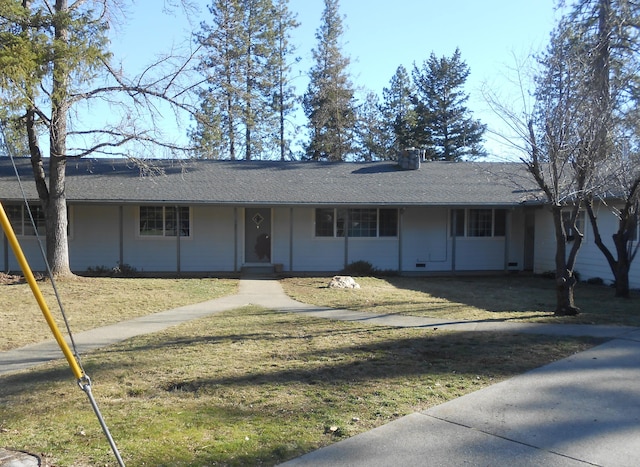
(466, 230)
(37, 211)
(342, 216)
(164, 221)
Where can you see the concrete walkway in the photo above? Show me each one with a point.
(583, 410)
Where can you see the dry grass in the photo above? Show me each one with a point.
(517, 298)
(253, 387)
(257, 387)
(94, 302)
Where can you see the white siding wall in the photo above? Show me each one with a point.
(590, 262)
(311, 253)
(281, 234)
(30, 249)
(480, 254)
(382, 253)
(209, 248)
(426, 245)
(94, 240)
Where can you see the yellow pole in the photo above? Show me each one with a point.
(28, 274)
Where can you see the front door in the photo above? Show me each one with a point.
(257, 235)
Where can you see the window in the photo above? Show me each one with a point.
(388, 223)
(479, 222)
(361, 222)
(21, 222)
(164, 221)
(325, 222)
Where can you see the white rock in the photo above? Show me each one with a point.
(343, 282)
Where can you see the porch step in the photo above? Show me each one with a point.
(262, 270)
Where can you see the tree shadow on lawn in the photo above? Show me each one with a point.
(365, 354)
(504, 293)
(527, 294)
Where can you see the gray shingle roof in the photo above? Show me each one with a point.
(282, 183)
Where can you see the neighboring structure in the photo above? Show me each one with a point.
(299, 216)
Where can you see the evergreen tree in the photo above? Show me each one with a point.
(246, 67)
(445, 127)
(400, 117)
(370, 135)
(217, 123)
(284, 97)
(329, 101)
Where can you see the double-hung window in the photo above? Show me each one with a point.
(164, 221)
(478, 222)
(21, 222)
(368, 222)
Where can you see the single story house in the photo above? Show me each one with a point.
(208, 216)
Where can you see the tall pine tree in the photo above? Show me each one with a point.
(445, 127)
(245, 64)
(284, 97)
(399, 112)
(329, 100)
(370, 135)
(217, 123)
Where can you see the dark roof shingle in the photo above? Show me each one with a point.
(281, 183)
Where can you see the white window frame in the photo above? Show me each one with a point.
(166, 230)
(340, 216)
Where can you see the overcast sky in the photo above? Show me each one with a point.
(380, 35)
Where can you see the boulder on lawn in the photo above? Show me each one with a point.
(343, 282)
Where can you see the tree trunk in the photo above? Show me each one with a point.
(55, 206)
(56, 219)
(565, 279)
(622, 265)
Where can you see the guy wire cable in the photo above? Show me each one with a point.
(83, 380)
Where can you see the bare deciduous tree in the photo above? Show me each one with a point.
(56, 65)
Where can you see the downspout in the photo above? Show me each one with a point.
(291, 239)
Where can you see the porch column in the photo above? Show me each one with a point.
(121, 235)
(235, 239)
(346, 238)
(178, 224)
(291, 239)
(401, 212)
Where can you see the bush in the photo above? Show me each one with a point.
(359, 268)
(595, 281)
(123, 270)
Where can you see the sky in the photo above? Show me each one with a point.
(380, 35)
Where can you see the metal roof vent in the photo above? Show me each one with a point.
(409, 159)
